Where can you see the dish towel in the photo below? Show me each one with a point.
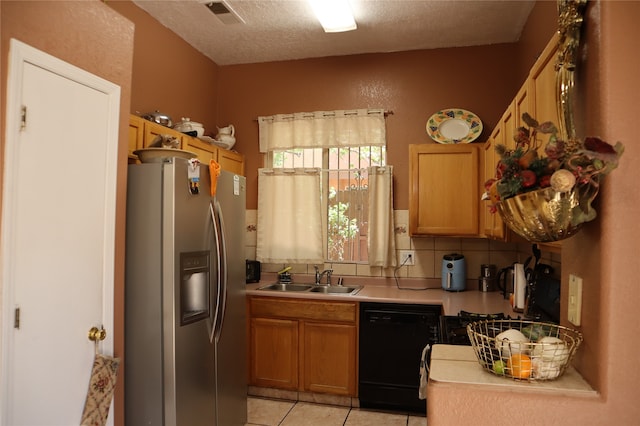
(424, 373)
(214, 172)
(100, 393)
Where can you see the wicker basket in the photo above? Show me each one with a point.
(529, 360)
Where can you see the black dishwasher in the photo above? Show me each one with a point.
(392, 338)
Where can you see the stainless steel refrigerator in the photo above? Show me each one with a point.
(185, 321)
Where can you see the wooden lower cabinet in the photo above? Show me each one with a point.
(303, 345)
(329, 356)
(274, 353)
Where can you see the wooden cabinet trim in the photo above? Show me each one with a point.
(304, 309)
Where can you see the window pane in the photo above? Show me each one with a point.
(345, 191)
(294, 158)
(348, 201)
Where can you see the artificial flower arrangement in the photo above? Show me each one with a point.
(569, 165)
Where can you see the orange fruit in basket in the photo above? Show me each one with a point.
(519, 366)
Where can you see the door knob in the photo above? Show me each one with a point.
(96, 334)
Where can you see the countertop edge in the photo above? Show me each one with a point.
(454, 370)
(452, 302)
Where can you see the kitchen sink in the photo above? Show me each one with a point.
(324, 289)
(286, 287)
(335, 289)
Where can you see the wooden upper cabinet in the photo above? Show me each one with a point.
(205, 152)
(143, 132)
(151, 130)
(509, 124)
(231, 161)
(542, 85)
(136, 135)
(491, 224)
(444, 193)
(537, 96)
(521, 104)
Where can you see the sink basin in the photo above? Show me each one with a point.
(310, 288)
(286, 287)
(335, 289)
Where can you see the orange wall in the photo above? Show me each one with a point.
(96, 39)
(168, 74)
(473, 78)
(413, 85)
(604, 253)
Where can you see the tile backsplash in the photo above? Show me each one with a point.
(428, 254)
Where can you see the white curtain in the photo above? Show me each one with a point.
(289, 216)
(381, 239)
(322, 129)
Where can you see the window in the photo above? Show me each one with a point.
(344, 193)
(326, 193)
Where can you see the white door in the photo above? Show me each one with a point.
(58, 224)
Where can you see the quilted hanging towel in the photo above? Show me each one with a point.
(100, 393)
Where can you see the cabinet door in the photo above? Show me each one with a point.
(486, 164)
(274, 353)
(444, 192)
(231, 161)
(205, 152)
(509, 125)
(491, 223)
(542, 85)
(522, 104)
(151, 130)
(136, 136)
(329, 358)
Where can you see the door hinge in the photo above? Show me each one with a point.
(16, 318)
(23, 117)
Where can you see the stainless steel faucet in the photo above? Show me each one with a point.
(319, 275)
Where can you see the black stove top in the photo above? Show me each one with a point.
(453, 328)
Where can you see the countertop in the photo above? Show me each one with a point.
(452, 302)
(457, 365)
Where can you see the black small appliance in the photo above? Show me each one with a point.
(253, 271)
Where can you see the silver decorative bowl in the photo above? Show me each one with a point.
(541, 216)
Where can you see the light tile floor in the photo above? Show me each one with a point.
(271, 412)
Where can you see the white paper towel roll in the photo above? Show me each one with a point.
(520, 286)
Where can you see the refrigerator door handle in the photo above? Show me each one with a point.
(215, 280)
(221, 279)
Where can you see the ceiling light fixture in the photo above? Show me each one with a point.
(335, 16)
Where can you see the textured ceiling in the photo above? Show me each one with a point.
(275, 30)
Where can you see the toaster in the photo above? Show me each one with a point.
(253, 271)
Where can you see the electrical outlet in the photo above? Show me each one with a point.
(407, 257)
(575, 299)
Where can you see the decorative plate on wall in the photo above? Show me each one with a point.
(454, 125)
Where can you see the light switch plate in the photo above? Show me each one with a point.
(575, 299)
